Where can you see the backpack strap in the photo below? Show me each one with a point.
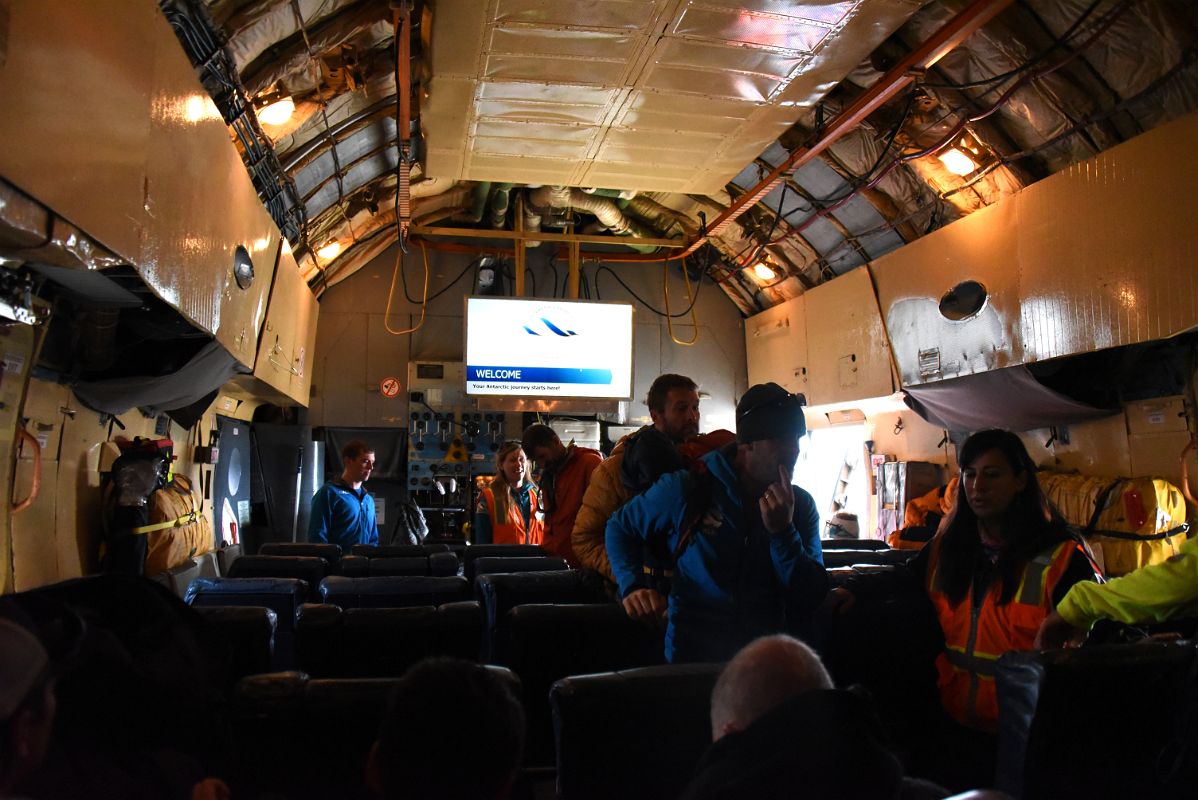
(697, 496)
(177, 522)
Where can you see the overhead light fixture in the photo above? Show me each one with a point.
(278, 112)
(764, 271)
(330, 250)
(957, 162)
(964, 155)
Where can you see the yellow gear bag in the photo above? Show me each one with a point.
(177, 528)
(1134, 522)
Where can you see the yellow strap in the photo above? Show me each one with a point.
(178, 522)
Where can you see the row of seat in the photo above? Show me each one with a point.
(639, 733)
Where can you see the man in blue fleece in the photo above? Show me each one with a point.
(745, 540)
(342, 511)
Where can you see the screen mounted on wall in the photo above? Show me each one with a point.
(519, 347)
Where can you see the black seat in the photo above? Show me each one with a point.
(329, 552)
(415, 565)
(544, 643)
(401, 591)
(308, 569)
(354, 566)
(502, 592)
(303, 738)
(1142, 695)
(847, 558)
(496, 551)
(383, 642)
(281, 595)
(251, 632)
(489, 565)
(226, 554)
(853, 544)
(397, 550)
(632, 734)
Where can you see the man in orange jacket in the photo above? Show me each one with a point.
(565, 474)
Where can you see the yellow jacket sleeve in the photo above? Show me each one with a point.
(1150, 594)
(603, 496)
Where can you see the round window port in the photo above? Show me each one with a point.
(963, 301)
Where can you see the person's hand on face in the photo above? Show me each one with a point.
(778, 504)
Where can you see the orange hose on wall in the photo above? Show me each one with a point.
(36, 486)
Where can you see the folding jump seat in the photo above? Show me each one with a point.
(393, 592)
(632, 734)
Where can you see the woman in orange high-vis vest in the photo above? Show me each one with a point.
(508, 510)
(1000, 562)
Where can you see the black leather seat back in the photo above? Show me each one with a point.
(251, 634)
(497, 551)
(847, 558)
(853, 544)
(633, 734)
(309, 569)
(282, 595)
(329, 552)
(393, 592)
(309, 739)
(354, 566)
(489, 565)
(1128, 701)
(414, 565)
(544, 643)
(397, 550)
(226, 555)
(502, 592)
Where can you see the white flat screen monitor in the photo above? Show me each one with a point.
(548, 348)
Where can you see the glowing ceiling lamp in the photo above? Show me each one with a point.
(964, 155)
(764, 271)
(957, 162)
(278, 112)
(330, 250)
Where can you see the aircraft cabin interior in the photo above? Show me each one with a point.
(238, 237)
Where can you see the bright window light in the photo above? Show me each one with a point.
(957, 162)
(764, 271)
(278, 112)
(330, 250)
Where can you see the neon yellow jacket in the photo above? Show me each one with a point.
(1150, 594)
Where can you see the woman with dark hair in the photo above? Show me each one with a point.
(996, 568)
(508, 509)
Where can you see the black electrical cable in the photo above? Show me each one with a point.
(641, 300)
(553, 267)
(1056, 44)
(773, 227)
(528, 271)
(403, 279)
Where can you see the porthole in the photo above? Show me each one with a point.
(963, 301)
(243, 268)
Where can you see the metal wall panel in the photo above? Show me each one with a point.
(852, 359)
(76, 81)
(1094, 257)
(776, 346)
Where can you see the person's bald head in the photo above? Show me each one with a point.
(761, 677)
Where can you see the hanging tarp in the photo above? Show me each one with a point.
(207, 371)
(1003, 398)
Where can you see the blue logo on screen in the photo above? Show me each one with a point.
(552, 328)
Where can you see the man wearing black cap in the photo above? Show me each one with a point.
(745, 540)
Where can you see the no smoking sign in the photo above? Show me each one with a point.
(389, 387)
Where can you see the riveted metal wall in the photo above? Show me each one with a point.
(106, 125)
(1097, 256)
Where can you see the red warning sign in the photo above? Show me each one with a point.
(389, 387)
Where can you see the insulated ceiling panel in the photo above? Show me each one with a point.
(666, 95)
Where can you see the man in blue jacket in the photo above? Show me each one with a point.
(745, 540)
(342, 510)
